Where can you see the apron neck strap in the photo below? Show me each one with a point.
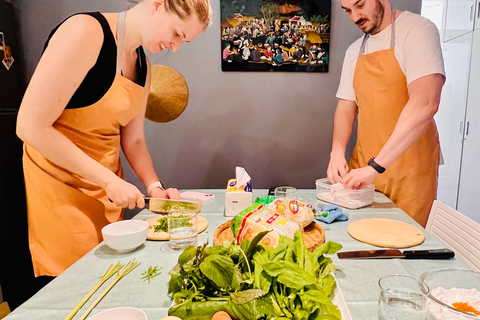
(120, 39)
(392, 36)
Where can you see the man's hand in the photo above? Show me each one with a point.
(337, 168)
(360, 178)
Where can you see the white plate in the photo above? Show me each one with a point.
(339, 301)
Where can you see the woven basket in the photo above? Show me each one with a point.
(313, 235)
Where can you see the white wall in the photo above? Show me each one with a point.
(276, 125)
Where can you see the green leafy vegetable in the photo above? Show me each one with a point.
(251, 281)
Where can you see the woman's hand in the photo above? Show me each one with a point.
(170, 193)
(124, 194)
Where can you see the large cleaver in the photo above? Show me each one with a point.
(393, 253)
(160, 205)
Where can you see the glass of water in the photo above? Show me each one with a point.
(286, 192)
(402, 298)
(182, 229)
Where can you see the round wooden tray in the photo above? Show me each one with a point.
(313, 235)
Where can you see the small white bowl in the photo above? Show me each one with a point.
(123, 313)
(126, 235)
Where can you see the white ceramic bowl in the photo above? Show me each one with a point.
(125, 235)
(121, 313)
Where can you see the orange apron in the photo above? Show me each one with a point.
(65, 211)
(381, 93)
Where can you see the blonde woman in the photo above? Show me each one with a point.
(85, 102)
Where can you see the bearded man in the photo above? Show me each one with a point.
(391, 79)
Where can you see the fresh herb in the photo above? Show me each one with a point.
(253, 281)
(162, 225)
(151, 273)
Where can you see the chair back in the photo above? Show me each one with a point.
(456, 232)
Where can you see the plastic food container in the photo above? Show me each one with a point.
(347, 198)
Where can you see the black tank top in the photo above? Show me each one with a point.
(100, 77)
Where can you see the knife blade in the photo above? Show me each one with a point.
(160, 205)
(394, 253)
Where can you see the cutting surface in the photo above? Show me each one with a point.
(202, 225)
(386, 233)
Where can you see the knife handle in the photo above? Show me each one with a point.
(429, 254)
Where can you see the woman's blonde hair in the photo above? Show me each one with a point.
(183, 8)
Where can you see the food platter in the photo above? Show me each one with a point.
(313, 234)
(202, 225)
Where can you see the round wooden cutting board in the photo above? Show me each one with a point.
(386, 233)
(202, 225)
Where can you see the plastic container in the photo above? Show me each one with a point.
(347, 198)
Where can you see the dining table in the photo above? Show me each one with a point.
(357, 279)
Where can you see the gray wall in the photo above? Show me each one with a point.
(276, 125)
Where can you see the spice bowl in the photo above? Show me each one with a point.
(454, 294)
(126, 235)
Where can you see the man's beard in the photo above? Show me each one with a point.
(377, 18)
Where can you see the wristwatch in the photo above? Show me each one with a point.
(375, 165)
(156, 184)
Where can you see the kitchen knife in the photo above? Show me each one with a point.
(393, 253)
(160, 205)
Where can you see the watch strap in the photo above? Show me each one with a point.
(156, 184)
(375, 165)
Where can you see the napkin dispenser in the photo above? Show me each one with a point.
(239, 193)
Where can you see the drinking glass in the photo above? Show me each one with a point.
(182, 229)
(402, 298)
(286, 192)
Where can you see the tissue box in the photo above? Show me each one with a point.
(236, 202)
(237, 197)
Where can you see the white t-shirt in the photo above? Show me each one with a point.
(417, 49)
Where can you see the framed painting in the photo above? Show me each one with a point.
(278, 35)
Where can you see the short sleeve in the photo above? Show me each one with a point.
(423, 53)
(345, 89)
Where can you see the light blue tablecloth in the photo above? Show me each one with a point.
(357, 279)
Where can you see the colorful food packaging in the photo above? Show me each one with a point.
(257, 218)
(298, 211)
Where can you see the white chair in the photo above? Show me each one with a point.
(456, 232)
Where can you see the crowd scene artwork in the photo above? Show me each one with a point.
(259, 35)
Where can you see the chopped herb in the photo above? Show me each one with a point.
(151, 273)
(162, 225)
